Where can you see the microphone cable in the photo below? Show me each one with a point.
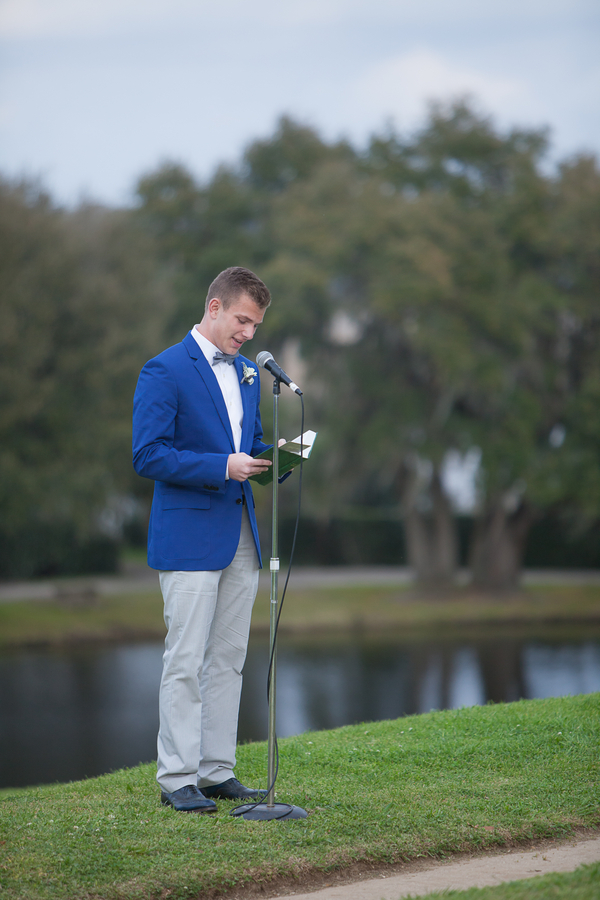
(244, 808)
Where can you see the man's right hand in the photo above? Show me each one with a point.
(241, 466)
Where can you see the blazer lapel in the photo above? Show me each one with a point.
(248, 420)
(212, 385)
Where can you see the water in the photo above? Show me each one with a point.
(68, 714)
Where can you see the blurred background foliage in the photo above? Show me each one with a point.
(436, 296)
(83, 304)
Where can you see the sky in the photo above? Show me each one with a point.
(96, 93)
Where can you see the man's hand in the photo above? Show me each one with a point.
(242, 466)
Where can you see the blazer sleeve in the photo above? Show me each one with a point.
(154, 454)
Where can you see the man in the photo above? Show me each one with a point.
(196, 429)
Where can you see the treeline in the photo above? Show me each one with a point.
(83, 305)
(437, 294)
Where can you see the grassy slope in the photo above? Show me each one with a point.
(384, 792)
(326, 609)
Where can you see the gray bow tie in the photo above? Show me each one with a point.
(224, 357)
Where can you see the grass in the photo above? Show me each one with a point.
(379, 793)
(139, 615)
(379, 608)
(582, 884)
(48, 622)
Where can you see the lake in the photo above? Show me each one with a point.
(70, 713)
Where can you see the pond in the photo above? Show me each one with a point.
(71, 713)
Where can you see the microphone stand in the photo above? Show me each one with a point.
(268, 809)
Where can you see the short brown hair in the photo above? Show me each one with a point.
(230, 284)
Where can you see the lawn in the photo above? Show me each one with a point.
(378, 793)
(139, 615)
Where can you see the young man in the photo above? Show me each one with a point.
(196, 429)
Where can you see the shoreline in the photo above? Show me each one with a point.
(329, 613)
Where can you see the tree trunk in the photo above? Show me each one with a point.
(431, 541)
(502, 671)
(498, 545)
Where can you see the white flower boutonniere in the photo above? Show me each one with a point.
(249, 374)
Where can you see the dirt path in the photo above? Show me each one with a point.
(479, 871)
(140, 578)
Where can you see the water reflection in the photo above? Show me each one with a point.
(75, 713)
(556, 671)
(66, 715)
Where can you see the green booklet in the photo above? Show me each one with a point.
(289, 456)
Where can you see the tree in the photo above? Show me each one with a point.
(82, 308)
(442, 258)
(443, 291)
(407, 277)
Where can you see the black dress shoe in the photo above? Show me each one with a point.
(233, 790)
(188, 799)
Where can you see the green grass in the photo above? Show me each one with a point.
(326, 610)
(379, 608)
(126, 617)
(582, 884)
(383, 792)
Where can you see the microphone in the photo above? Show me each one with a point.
(265, 361)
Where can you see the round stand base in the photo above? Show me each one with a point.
(266, 813)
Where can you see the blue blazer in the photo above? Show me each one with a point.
(181, 439)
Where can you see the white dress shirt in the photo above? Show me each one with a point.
(227, 378)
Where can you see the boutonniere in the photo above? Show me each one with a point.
(249, 374)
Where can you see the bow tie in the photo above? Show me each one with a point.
(224, 357)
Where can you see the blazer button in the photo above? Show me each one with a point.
(239, 500)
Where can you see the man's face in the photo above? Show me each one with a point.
(229, 328)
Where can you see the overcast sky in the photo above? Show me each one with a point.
(95, 92)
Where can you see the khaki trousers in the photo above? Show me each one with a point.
(207, 615)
